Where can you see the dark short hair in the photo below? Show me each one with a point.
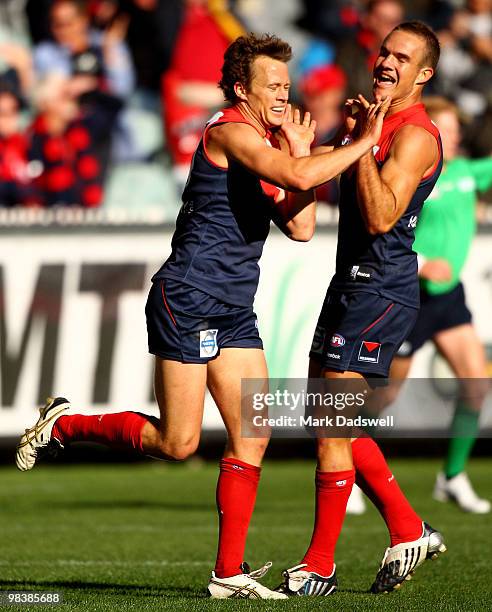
(240, 55)
(423, 31)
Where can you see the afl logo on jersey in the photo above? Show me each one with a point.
(208, 343)
(337, 340)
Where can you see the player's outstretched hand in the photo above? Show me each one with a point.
(371, 118)
(298, 134)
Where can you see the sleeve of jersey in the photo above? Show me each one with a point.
(481, 170)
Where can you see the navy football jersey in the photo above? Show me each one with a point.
(222, 225)
(384, 264)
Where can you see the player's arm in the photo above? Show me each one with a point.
(384, 194)
(241, 142)
(295, 214)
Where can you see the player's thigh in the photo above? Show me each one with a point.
(225, 374)
(462, 349)
(464, 352)
(180, 393)
(399, 369)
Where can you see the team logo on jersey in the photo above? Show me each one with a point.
(369, 351)
(337, 340)
(413, 221)
(208, 343)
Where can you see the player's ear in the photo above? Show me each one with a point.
(240, 91)
(425, 75)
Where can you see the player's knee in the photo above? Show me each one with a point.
(327, 444)
(178, 450)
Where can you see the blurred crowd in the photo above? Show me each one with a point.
(87, 86)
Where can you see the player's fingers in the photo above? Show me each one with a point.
(363, 101)
(313, 125)
(307, 119)
(297, 116)
(373, 109)
(385, 104)
(286, 114)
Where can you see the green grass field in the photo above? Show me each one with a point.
(143, 537)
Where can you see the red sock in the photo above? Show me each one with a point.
(376, 480)
(332, 492)
(236, 495)
(118, 429)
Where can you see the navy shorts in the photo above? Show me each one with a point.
(437, 313)
(360, 332)
(187, 325)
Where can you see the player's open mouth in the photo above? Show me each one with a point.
(278, 109)
(384, 79)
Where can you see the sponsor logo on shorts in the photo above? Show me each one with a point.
(208, 343)
(369, 351)
(337, 340)
(333, 356)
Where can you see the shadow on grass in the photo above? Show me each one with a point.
(129, 504)
(98, 587)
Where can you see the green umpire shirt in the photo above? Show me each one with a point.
(447, 222)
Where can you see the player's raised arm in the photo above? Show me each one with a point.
(384, 194)
(242, 143)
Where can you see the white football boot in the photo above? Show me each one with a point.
(400, 561)
(243, 586)
(37, 442)
(356, 503)
(459, 489)
(299, 582)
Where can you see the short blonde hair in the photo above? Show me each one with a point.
(434, 105)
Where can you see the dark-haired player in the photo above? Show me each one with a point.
(201, 325)
(371, 305)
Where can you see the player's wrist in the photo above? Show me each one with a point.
(300, 150)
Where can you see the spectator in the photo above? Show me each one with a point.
(78, 49)
(334, 20)
(323, 91)
(64, 143)
(356, 56)
(154, 25)
(16, 67)
(14, 175)
(189, 87)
